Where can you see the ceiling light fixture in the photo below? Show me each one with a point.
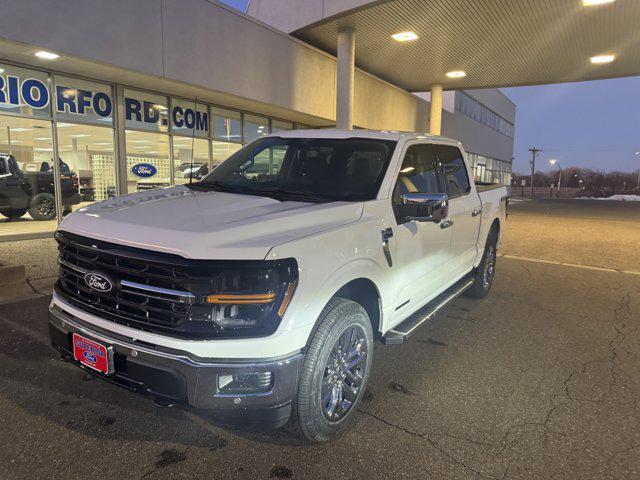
(46, 55)
(404, 36)
(456, 74)
(593, 3)
(598, 59)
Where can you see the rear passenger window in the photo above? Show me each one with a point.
(454, 170)
(3, 167)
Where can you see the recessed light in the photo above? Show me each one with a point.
(1, 70)
(456, 74)
(42, 138)
(404, 36)
(46, 55)
(20, 129)
(592, 3)
(80, 135)
(603, 59)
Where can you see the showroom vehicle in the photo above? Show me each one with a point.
(33, 192)
(261, 295)
(195, 171)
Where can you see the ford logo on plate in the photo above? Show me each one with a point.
(144, 170)
(90, 357)
(98, 282)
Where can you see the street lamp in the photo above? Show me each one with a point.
(638, 187)
(557, 164)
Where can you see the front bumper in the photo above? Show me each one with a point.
(177, 377)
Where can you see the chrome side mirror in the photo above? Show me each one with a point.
(425, 207)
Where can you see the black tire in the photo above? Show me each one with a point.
(486, 270)
(312, 416)
(13, 213)
(43, 207)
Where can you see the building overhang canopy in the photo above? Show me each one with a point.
(497, 43)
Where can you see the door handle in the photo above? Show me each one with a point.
(446, 224)
(476, 212)
(386, 235)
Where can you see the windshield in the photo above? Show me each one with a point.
(307, 169)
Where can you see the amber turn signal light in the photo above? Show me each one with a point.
(240, 299)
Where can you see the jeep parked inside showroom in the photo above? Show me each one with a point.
(33, 192)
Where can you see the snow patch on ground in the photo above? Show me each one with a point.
(619, 198)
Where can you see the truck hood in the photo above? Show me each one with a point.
(206, 225)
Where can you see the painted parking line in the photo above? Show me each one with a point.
(566, 264)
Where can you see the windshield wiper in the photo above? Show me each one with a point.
(218, 186)
(285, 191)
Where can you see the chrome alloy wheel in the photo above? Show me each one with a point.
(489, 267)
(344, 373)
(46, 207)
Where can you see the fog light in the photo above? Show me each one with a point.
(245, 383)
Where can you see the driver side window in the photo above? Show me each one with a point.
(419, 172)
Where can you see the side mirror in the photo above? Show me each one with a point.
(424, 207)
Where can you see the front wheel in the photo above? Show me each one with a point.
(335, 372)
(486, 270)
(13, 213)
(43, 207)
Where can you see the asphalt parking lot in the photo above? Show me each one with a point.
(538, 381)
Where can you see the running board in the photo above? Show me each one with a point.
(400, 332)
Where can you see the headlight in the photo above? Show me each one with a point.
(252, 300)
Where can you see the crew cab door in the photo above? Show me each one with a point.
(11, 194)
(465, 210)
(420, 250)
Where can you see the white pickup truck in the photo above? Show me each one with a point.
(260, 290)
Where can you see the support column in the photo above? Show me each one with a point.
(345, 78)
(120, 151)
(435, 118)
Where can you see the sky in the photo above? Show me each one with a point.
(590, 124)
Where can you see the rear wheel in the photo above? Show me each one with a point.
(335, 372)
(13, 213)
(43, 207)
(487, 268)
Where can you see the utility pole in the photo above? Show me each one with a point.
(534, 152)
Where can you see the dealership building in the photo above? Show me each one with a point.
(99, 99)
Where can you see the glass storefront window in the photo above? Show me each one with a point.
(83, 101)
(147, 160)
(255, 127)
(279, 126)
(145, 111)
(24, 92)
(226, 125)
(222, 151)
(27, 196)
(88, 151)
(189, 118)
(159, 130)
(187, 166)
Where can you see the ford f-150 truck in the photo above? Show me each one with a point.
(33, 192)
(261, 295)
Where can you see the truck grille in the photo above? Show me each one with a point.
(150, 291)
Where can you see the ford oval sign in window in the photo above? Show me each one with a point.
(144, 170)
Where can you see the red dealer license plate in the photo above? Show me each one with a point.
(91, 354)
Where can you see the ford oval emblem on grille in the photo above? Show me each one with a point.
(98, 282)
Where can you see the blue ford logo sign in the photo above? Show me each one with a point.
(98, 282)
(90, 357)
(144, 170)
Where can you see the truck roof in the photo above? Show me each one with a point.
(379, 134)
